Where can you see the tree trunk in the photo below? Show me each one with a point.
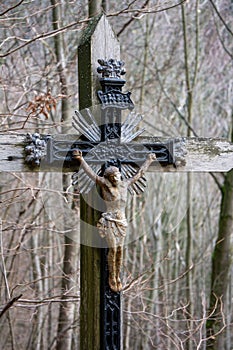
(189, 214)
(66, 312)
(95, 7)
(221, 262)
(61, 66)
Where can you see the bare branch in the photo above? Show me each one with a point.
(146, 11)
(26, 303)
(221, 18)
(11, 8)
(9, 304)
(131, 19)
(45, 36)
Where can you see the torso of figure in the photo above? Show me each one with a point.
(115, 196)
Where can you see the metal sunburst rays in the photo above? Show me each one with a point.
(89, 128)
(131, 122)
(86, 126)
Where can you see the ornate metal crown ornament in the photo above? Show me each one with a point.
(111, 68)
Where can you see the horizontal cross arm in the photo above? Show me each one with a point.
(198, 154)
(189, 154)
(100, 152)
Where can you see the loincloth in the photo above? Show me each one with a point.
(111, 223)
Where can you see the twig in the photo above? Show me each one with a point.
(9, 304)
(142, 11)
(45, 36)
(11, 8)
(131, 19)
(3, 261)
(221, 18)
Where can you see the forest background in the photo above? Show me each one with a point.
(177, 266)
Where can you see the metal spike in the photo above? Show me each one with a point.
(89, 126)
(128, 132)
(138, 185)
(85, 182)
(130, 169)
(75, 126)
(133, 123)
(84, 130)
(137, 189)
(129, 172)
(132, 137)
(124, 175)
(142, 179)
(131, 191)
(82, 119)
(95, 126)
(129, 117)
(88, 186)
(83, 125)
(129, 129)
(130, 123)
(75, 178)
(82, 179)
(141, 188)
(124, 172)
(97, 135)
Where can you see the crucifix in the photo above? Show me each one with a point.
(111, 152)
(113, 223)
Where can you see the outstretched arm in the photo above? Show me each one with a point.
(78, 156)
(141, 171)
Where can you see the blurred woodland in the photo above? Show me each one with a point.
(178, 275)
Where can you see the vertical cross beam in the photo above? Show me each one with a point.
(98, 41)
(110, 130)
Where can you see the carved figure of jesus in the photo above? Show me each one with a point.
(113, 224)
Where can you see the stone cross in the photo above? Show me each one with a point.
(108, 142)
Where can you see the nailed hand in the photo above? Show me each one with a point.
(151, 157)
(77, 154)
